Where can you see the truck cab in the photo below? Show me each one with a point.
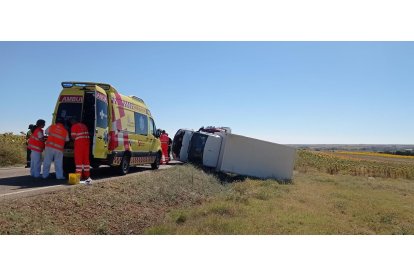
(225, 152)
(200, 147)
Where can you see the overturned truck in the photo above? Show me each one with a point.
(218, 148)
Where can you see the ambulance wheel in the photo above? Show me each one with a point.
(124, 167)
(156, 163)
(68, 166)
(95, 165)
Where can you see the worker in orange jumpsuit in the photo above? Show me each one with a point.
(164, 147)
(80, 135)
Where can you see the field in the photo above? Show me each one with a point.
(331, 193)
(374, 156)
(356, 164)
(12, 149)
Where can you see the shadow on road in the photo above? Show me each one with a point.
(26, 181)
(18, 181)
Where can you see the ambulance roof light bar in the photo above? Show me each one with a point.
(136, 98)
(70, 84)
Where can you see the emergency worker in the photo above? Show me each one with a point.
(169, 146)
(164, 147)
(80, 135)
(28, 151)
(55, 143)
(36, 144)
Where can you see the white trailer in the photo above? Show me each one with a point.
(236, 154)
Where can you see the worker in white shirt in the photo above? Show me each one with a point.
(55, 144)
(36, 144)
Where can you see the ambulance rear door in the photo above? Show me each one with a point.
(100, 141)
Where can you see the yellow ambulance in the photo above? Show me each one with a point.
(121, 128)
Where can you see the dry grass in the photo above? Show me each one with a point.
(317, 203)
(12, 149)
(330, 195)
(126, 206)
(326, 197)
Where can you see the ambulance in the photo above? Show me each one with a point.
(121, 128)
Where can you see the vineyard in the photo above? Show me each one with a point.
(12, 149)
(370, 166)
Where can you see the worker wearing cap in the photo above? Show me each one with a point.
(164, 147)
(36, 144)
(80, 135)
(28, 151)
(55, 144)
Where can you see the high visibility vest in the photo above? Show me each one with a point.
(35, 143)
(164, 139)
(28, 134)
(79, 132)
(57, 137)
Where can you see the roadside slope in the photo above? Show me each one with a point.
(120, 206)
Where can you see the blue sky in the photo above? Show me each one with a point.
(285, 92)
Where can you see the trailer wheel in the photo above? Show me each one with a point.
(124, 167)
(156, 163)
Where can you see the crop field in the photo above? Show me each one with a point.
(359, 164)
(373, 156)
(12, 149)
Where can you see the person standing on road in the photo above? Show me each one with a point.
(36, 144)
(169, 147)
(164, 147)
(80, 135)
(55, 144)
(28, 151)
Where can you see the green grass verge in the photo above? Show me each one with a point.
(316, 203)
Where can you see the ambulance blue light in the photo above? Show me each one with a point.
(67, 84)
(70, 84)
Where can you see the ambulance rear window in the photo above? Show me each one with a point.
(67, 111)
(101, 114)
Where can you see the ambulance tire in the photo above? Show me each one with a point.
(94, 164)
(156, 164)
(123, 168)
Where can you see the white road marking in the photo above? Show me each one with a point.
(31, 190)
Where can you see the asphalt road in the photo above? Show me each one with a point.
(17, 182)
